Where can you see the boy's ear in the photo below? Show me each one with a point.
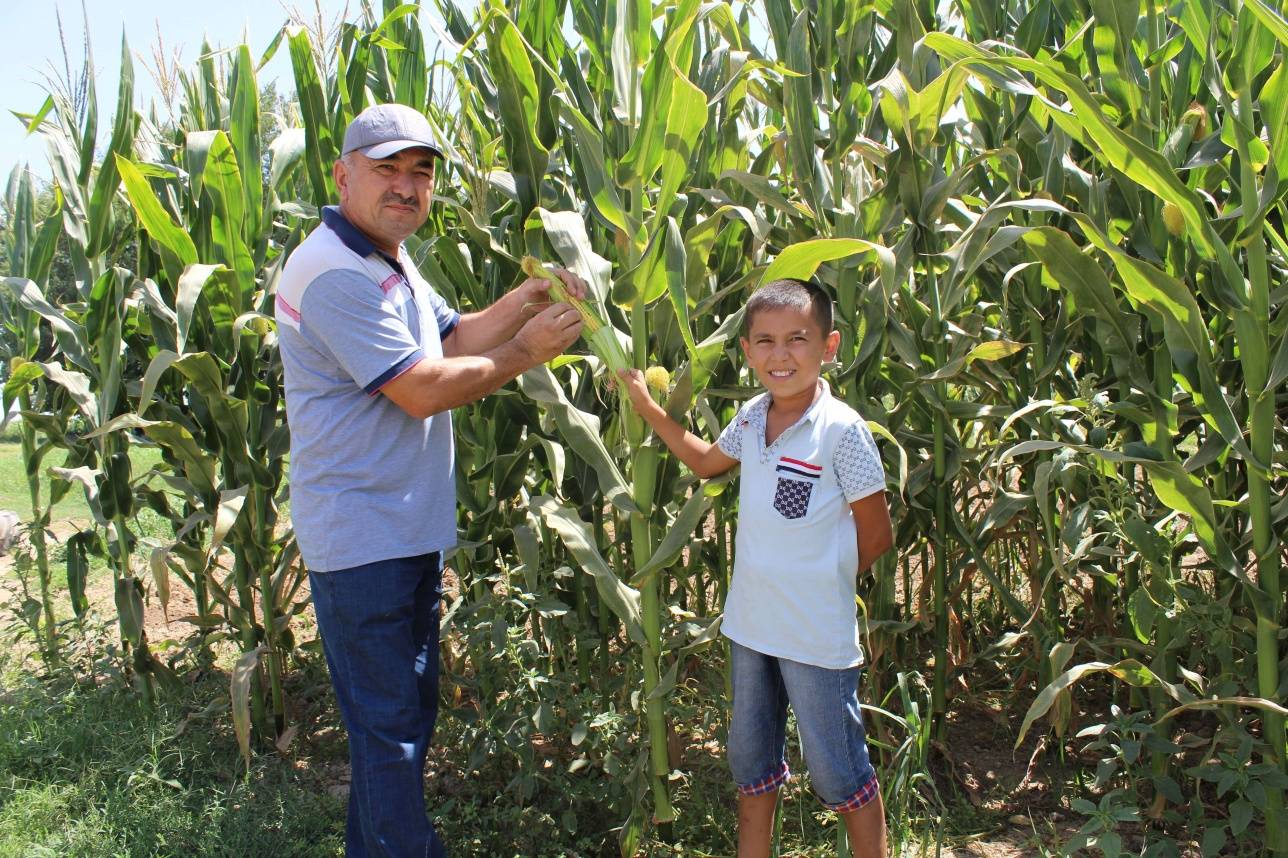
(746, 346)
(833, 343)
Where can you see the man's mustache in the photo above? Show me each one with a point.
(398, 200)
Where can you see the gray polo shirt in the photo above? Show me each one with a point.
(368, 482)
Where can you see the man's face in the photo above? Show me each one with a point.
(386, 198)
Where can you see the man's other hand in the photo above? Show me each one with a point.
(536, 290)
(549, 332)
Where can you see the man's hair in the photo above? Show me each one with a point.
(804, 295)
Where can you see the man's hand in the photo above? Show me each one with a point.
(536, 291)
(549, 332)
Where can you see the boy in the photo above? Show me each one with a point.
(812, 514)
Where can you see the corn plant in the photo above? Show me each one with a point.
(1054, 235)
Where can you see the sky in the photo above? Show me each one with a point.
(33, 44)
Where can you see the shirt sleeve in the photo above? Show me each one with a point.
(349, 317)
(857, 463)
(447, 318)
(730, 440)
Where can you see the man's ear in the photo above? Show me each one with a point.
(746, 346)
(340, 172)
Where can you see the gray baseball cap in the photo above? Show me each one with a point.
(386, 129)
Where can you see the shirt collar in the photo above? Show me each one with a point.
(811, 413)
(354, 239)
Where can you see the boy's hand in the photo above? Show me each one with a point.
(632, 381)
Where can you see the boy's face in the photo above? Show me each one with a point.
(786, 347)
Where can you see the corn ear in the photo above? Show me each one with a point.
(657, 378)
(599, 334)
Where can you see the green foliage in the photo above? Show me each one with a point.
(1079, 393)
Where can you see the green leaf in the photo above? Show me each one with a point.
(672, 55)
(129, 608)
(239, 691)
(519, 99)
(685, 120)
(994, 350)
(1186, 494)
(621, 599)
(321, 151)
(177, 249)
(1066, 266)
(676, 267)
(222, 180)
(802, 259)
(603, 196)
(191, 282)
(800, 110)
(678, 535)
(69, 335)
(231, 503)
(1270, 19)
(1083, 119)
(20, 378)
(582, 433)
(1129, 670)
(244, 134)
(122, 142)
(77, 386)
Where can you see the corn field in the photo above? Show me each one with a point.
(1054, 233)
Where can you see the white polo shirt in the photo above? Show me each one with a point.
(797, 553)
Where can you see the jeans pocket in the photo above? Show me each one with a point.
(791, 497)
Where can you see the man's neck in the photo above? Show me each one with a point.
(379, 244)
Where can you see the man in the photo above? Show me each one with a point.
(374, 362)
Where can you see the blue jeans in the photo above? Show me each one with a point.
(379, 625)
(826, 704)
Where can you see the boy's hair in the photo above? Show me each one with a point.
(790, 292)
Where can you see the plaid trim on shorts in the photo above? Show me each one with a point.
(864, 795)
(768, 783)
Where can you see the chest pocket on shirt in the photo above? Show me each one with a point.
(791, 497)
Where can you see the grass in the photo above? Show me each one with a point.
(15, 496)
(91, 771)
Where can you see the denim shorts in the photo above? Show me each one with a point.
(826, 704)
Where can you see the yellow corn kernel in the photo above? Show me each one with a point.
(657, 378)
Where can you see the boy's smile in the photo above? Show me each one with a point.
(786, 348)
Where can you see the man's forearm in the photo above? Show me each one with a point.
(436, 385)
(480, 332)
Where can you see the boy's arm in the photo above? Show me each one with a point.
(872, 521)
(704, 459)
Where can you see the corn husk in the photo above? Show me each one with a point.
(599, 334)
